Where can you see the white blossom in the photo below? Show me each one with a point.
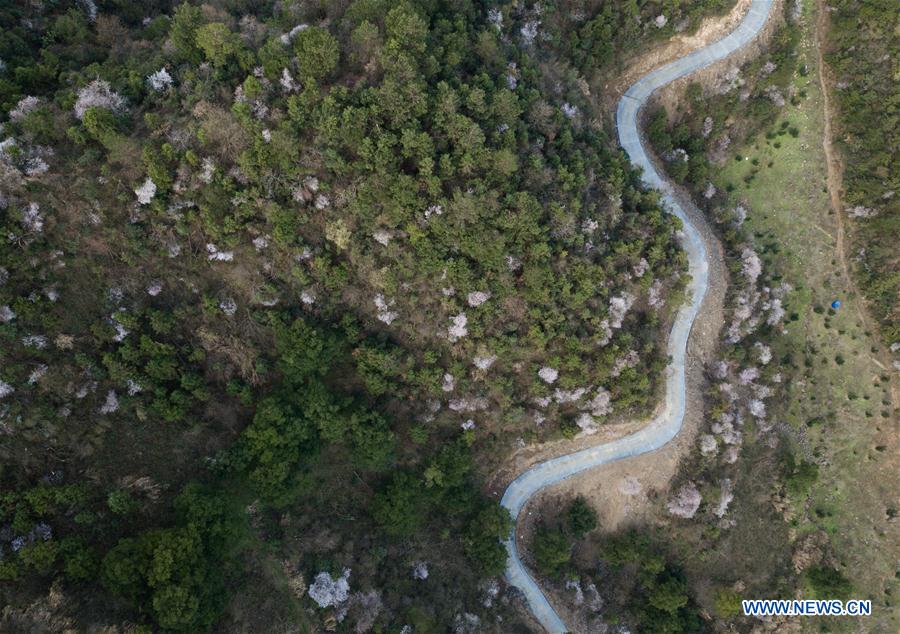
(707, 126)
(725, 498)
(6, 314)
(548, 374)
(35, 341)
(98, 94)
(641, 267)
(468, 404)
(287, 81)
(483, 362)
(589, 225)
(529, 31)
(776, 312)
(228, 306)
(23, 107)
(860, 211)
(495, 17)
(449, 382)
(575, 584)
(469, 425)
(587, 424)
(133, 387)
(37, 373)
(731, 454)
(457, 327)
(629, 360)
(266, 135)
(35, 166)
(748, 375)
(710, 191)
(160, 80)
(751, 266)
(685, 502)
(775, 96)
(569, 110)
(90, 9)
(311, 183)
(215, 254)
(654, 295)
(154, 288)
(328, 592)
(385, 314)
(433, 210)
(5, 389)
(307, 297)
(146, 192)
(121, 332)
(758, 408)
(477, 298)
(568, 396)
(382, 236)
(420, 570)
(32, 218)
(708, 444)
(618, 307)
(764, 352)
(208, 168)
(290, 35)
(660, 21)
(111, 404)
(601, 404)
(491, 589)
(466, 623)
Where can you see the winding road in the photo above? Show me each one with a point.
(668, 423)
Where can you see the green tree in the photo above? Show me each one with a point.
(400, 509)
(582, 518)
(217, 42)
(828, 583)
(728, 603)
(274, 447)
(177, 574)
(668, 595)
(183, 32)
(552, 551)
(317, 52)
(483, 539)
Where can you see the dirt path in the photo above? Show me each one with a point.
(834, 183)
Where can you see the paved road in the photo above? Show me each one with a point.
(667, 424)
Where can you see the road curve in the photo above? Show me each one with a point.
(668, 423)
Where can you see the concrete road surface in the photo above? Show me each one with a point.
(668, 423)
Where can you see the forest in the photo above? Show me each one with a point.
(284, 282)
